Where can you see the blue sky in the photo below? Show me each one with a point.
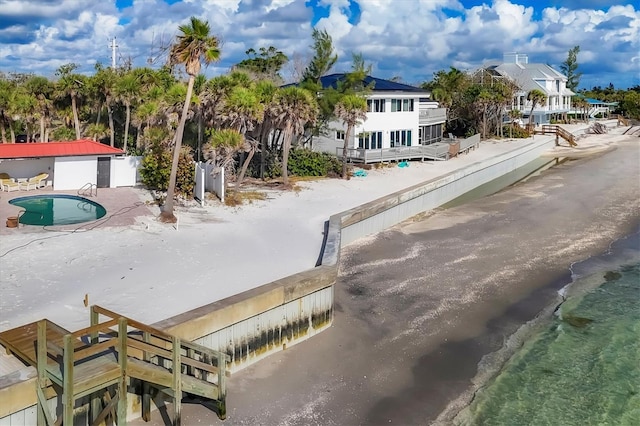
(410, 39)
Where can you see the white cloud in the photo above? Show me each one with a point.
(411, 38)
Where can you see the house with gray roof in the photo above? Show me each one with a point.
(528, 76)
(399, 115)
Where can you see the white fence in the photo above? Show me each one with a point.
(207, 182)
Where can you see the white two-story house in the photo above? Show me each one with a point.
(528, 76)
(398, 115)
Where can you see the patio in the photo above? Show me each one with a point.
(123, 206)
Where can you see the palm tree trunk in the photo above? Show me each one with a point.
(112, 129)
(13, 133)
(42, 129)
(167, 212)
(347, 135)
(199, 133)
(126, 127)
(99, 113)
(76, 120)
(286, 143)
(3, 131)
(245, 166)
(138, 132)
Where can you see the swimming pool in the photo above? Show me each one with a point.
(57, 209)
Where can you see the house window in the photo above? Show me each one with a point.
(370, 140)
(400, 138)
(375, 105)
(340, 135)
(401, 105)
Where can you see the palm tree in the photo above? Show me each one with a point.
(352, 110)
(222, 148)
(104, 82)
(127, 91)
(514, 114)
(536, 97)
(243, 111)
(41, 88)
(193, 45)
(71, 85)
(293, 109)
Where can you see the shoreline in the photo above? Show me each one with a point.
(492, 364)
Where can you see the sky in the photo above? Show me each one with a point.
(410, 39)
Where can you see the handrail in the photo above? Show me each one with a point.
(88, 187)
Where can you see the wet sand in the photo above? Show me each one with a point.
(419, 305)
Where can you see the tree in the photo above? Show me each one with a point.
(42, 89)
(514, 114)
(265, 64)
(352, 110)
(570, 68)
(103, 84)
(323, 60)
(71, 85)
(193, 45)
(293, 109)
(127, 91)
(536, 97)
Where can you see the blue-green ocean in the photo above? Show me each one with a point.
(583, 366)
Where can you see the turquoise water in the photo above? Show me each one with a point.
(583, 368)
(48, 210)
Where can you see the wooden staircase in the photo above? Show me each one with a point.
(552, 129)
(622, 121)
(112, 354)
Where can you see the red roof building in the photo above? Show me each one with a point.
(56, 149)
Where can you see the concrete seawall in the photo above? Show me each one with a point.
(251, 325)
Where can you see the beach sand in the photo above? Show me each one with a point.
(419, 305)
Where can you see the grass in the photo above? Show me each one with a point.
(233, 198)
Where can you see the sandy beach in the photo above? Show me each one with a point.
(419, 306)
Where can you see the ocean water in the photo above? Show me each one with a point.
(583, 365)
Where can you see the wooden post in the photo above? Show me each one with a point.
(146, 388)
(176, 366)
(41, 356)
(67, 380)
(96, 400)
(122, 361)
(94, 320)
(222, 385)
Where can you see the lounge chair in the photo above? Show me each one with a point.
(9, 185)
(35, 182)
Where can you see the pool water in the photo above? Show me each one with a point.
(45, 210)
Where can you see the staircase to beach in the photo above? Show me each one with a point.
(107, 359)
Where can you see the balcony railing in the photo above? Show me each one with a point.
(432, 115)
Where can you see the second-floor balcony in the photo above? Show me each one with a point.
(432, 116)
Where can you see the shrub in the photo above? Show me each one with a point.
(304, 162)
(156, 167)
(515, 131)
(185, 179)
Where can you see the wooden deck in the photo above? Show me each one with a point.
(21, 341)
(91, 361)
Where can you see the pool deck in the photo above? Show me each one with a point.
(123, 206)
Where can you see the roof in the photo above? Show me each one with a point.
(56, 149)
(379, 84)
(525, 76)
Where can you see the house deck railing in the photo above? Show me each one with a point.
(435, 151)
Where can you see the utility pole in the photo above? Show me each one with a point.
(113, 53)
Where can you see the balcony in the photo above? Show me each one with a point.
(432, 116)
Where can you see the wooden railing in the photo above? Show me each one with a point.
(107, 353)
(559, 132)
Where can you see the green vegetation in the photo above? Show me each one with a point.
(304, 162)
